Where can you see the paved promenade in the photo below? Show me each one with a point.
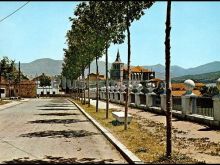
(51, 130)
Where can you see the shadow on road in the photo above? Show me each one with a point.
(54, 109)
(60, 134)
(58, 160)
(57, 114)
(56, 106)
(58, 121)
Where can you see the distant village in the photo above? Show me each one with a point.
(118, 72)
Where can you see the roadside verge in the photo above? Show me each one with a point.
(127, 154)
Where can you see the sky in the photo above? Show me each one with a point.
(38, 31)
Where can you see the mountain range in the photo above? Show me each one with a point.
(54, 67)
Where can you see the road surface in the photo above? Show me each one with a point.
(50, 131)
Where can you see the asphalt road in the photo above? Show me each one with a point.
(50, 131)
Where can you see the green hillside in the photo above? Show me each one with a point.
(210, 77)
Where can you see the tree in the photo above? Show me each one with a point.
(111, 31)
(44, 80)
(9, 71)
(87, 18)
(128, 11)
(168, 83)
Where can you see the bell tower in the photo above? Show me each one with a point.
(116, 72)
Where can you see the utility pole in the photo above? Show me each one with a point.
(0, 80)
(19, 76)
(168, 82)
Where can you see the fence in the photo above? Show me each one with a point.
(142, 99)
(177, 103)
(204, 106)
(132, 98)
(156, 100)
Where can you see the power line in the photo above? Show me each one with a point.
(14, 12)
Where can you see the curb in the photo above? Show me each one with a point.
(127, 154)
(8, 105)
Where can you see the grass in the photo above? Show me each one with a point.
(146, 139)
(3, 102)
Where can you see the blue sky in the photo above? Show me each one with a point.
(38, 31)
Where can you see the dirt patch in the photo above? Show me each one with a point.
(145, 138)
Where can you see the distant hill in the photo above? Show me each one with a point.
(177, 71)
(54, 67)
(210, 77)
(44, 65)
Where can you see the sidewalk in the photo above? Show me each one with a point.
(195, 140)
(12, 103)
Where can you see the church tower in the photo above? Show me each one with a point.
(116, 72)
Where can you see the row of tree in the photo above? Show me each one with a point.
(95, 26)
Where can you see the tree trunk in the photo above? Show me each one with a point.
(106, 83)
(128, 73)
(168, 83)
(84, 90)
(89, 87)
(97, 85)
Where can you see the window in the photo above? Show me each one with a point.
(2, 90)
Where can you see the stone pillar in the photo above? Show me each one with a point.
(149, 99)
(188, 104)
(163, 102)
(216, 107)
(216, 103)
(117, 97)
(129, 99)
(137, 99)
(111, 96)
(114, 97)
(104, 95)
(189, 98)
(122, 98)
(101, 95)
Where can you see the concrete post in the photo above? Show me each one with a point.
(114, 97)
(149, 100)
(117, 97)
(188, 104)
(132, 104)
(122, 98)
(111, 96)
(163, 102)
(137, 99)
(216, 107)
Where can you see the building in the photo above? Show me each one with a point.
(178, 89)
(25, 88)
(47, 90)
(93, 77)
(119, 71)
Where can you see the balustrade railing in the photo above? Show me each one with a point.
(177, 103)
(204, 106)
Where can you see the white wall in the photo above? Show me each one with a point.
(3, 94)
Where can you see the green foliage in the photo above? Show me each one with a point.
(44, 80)
(9, 71)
